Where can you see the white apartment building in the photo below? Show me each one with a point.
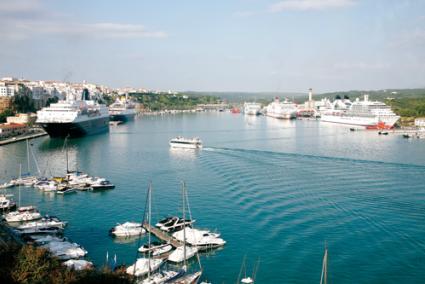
(7, 90)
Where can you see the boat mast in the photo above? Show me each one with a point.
(28, 156)
(184, 225)
(19, 187)
(324, 276)
(149, 222)
(66, 153)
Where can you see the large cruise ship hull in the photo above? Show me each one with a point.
(77, 129)
(122, 117)
(367, 122)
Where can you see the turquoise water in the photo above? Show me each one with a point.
(276, 190)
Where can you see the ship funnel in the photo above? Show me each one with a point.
(366, 98)
(310, 94)
(85, 95)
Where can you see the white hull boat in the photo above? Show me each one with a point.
(22, 216)
(200, 238)
(177, 255)
(186, 143)
(50, 222)
(78, 264)
(143, 266)
(128, 229)
(65, 250)
(156, 249)
(163, 277)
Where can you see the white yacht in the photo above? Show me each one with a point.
(282, 110)
(189, 143)
(74, 118)
(23, 214)
(367, 114)
(200, 238)
(65, 250)
(6, 204)
(78, 264)
(156, 248)
(122, 110)
(178, 254)
(252, 108)
(128, 229)
(48, 222)
(143, 266)
(173, 223)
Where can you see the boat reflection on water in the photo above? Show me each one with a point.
(184, 154)
(279, 123)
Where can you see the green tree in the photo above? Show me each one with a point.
(5, 114)
(23, 102)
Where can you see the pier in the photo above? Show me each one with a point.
(21, 138)
(163, 236)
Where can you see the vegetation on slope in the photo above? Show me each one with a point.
(27, 264)
(163, 101)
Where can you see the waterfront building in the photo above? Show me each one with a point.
(22, 118)
(12, 129)
(5, 103)
(420, 122)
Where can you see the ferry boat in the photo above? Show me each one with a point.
(74, 118)
(189, 143)
(368, 114)
(252, 108)
(281, 110)
(122, 111)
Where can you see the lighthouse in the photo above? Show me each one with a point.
(310, 99)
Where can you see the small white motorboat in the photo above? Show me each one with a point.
(171, 224)
(24, 214)
(128, 229)
(6, 204)
(42, 240)
(156, 248)
(200, 238)
(166, 276)
(65, 250)
(64, 190)
(143, 266)
(78, 264)
(46, 222)
(102, 184)
(178, 254)
(6, 185)
(188, 143)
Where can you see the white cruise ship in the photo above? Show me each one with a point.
(122, 110)
(252, 108)
(282, 110)
(368, 114)
(74, 118)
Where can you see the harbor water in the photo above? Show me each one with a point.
(276, 190)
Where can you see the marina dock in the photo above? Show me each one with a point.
(21, 138)
(162, 235)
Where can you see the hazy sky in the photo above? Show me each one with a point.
(227, 45)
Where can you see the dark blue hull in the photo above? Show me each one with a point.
(122, 117)
(89, 127)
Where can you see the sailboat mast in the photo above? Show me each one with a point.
(149, 222)
(66, 149)
(324, 276)
(184, 224)
(28, 156)
(19, 188)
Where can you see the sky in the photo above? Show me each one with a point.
(217, 45)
